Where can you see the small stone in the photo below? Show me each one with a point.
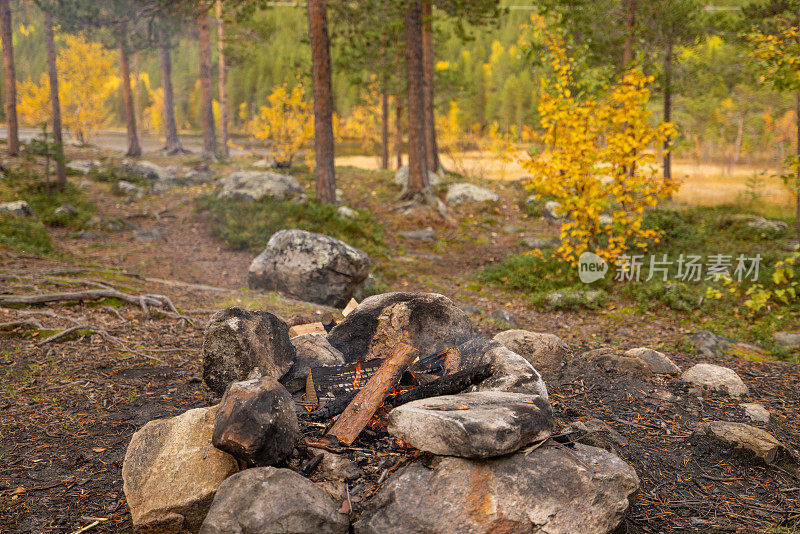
(596, 433)
(146, 170)
(82, 166)
(256, 422)
(171, 472)
(546, 352)
(237, 341)
(552, 210)
(658, 362)
(18, 207)
(340, 467)
(610, 360)
(125, 188)
(740, 436)
(756, 412)
(427, 234)
(534, 242)
(510, 229)
(787, 340)
(760, 223)
(267, 500)
(347, 213)
(708, 343)
(263, 164)
(715, 377)
(473, 425)
(460, 193)
(505, 318)
(469, 309)
(66, 210)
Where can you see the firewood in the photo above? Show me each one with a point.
(358, 413)
(452, 361)
(446, 385)
(308, 328)
(350, 307)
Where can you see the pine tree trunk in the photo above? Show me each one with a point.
(797, 176)
(134, 150)
(223, 76)
(431, 147)
(323, 101)
(668, 107)
(384, 128)
(173, 143)
(418, 187)
(137, 93)
(10, 78)
(398, 130)
(55, 103)
(630, 25)
(206, 91)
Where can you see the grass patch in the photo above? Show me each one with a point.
(701, 231)
(25, 234)
(249, 225)
(107, 175)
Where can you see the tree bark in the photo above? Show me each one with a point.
(398, 130)
(431, 147)
(10, 77)
(55, 103)
(134, 149)
(206, 91)
(797, 153)
(223, 77)
(172, 144)
(323, 101)
(668, 106)
(630, 25)
(418, 186)
(137, 93)
(384, 128)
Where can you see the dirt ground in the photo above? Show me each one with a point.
(68, 407)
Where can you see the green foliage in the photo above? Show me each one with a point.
(46, 200)
(249, 225)
(25, 234)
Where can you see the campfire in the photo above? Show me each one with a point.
(362, 393)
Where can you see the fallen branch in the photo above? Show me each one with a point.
(366, 402)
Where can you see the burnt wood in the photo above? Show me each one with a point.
(366, 402)
(446, 385)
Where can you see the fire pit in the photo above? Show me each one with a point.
(417, 390)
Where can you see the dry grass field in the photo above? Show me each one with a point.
(701, 184)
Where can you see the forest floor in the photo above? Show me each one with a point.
(69, 406)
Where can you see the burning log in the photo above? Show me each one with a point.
(358, 413)
(446, 385)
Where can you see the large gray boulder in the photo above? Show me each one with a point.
(551, 490)
(310, 267)
(546, 352)
(266, 500)
(147, 170)
(18, 207)
(481, 424)
(256, 422)
(431, 321)
(257, 185)
(460, 193)
(171, 473)
(715, 377)
(237, 342)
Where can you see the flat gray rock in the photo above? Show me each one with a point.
(426, 234)
(257, 185)
(83, 166)
(147, 170)
(756, 412)
(658, 362)
(460, 193)
(310, 267)
(546, 352)
(504, 318)
(788, 340)
(375, 326)
(473, 425)
(715, 377)
(551, 490)
(171, 472)
(238, 341)
(128, 189)
(756, 441)
(760, 223)
(267, 500)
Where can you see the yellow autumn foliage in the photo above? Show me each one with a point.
(87, 80)
(598, 157)
(286, 122)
